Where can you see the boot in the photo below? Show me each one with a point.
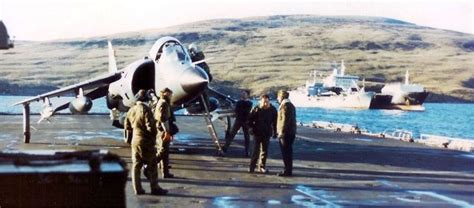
(159, 191)
(139, 192)
(168, 175)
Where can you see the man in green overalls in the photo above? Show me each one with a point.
(141, 124)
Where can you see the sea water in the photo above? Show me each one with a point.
(445, 119)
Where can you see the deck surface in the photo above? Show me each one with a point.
(330, 169)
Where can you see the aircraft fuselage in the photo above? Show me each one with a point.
(168, 65)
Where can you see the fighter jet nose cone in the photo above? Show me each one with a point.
(194, 81)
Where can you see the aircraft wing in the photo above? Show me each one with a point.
(99, 83)
(97, 93)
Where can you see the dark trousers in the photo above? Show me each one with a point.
(286, 147)
(260, 150)
(238, 123)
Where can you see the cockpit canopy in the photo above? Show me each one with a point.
(169, 47)
(175, 51)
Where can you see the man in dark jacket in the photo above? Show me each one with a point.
(262, 121)
(286, 129)
(198, 55)
(242, 110)
(140, 122)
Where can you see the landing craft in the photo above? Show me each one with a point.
(168, 64)
(5, 41)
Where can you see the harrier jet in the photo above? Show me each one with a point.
(168, 64)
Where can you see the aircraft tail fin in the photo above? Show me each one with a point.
(112, 62)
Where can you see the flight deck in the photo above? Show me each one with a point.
(330, 168)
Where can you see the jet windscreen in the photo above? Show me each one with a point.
(175, 52)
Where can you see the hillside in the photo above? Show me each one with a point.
(266, 53)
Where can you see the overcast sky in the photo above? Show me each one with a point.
(59, 19)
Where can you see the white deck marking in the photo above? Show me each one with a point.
(309, 192)
(388, 183)
(408, 200)
(450, 200)
(273, 202)
(224, 201)
(469, 156)
(363, 139)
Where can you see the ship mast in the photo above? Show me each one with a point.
(343, 68)
(407, 76)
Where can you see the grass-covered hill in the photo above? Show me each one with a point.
(265, 54)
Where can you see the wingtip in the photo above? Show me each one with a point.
(18, 103)
(27, 101)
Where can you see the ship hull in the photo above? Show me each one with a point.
(410, 102)
(357, 100)
(381, 101)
